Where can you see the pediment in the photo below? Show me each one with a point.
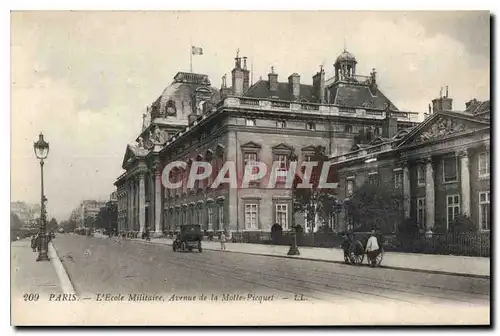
(129, 157)
(440, 126)
(251, 145)
(309, 148)
(282, 147)
(132, 153)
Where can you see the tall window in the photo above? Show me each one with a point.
(484, 210)
(249, 161)
(398, 179)
(179, 218)
(221, 217)
(484, 165)
(453, 207)
(282, 215)
(198, 216)
(210, 216)
(282, 165)
(421, 211)
(350, 188)
(373, 178)
(251, 216)
(281, 124)
(421, 175)
(450, 169)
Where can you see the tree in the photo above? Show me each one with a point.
(374, 207)
(89, 222)
(316, 200)
(15, 222)
(107, 218)
(462, 224)
(276, 232)
(52, 225)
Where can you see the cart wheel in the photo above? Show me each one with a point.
(183, 246)
(356, 254)
(199, 247)
(356, 258)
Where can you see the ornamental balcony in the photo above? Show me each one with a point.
(259, 104)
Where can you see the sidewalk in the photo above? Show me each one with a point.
(30, 276)
(441, 264)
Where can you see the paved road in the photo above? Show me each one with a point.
(103, 265)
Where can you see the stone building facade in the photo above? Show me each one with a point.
(266, 121)
(441, 167)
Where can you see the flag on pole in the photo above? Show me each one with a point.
(196, 50)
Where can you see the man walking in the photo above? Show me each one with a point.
(372, 249)
(222, 241)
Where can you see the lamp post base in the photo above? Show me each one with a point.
(294, 250)
(42, 256)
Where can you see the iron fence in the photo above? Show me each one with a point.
(475, 244)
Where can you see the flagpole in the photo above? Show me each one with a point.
(191, 60)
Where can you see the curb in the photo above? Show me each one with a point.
(66, 284)
(468, 275)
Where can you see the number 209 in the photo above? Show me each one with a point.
(31, 297)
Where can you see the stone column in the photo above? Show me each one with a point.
(129, 205)
(142, 203)
(406, 186)
(464, 181)
(157, 199)
(429, 195)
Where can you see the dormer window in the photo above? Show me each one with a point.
(311, 126)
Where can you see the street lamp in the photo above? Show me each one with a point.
(42, 151)
(294, 250)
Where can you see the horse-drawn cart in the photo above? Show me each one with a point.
(357, 249)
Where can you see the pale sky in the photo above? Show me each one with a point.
(85, 78)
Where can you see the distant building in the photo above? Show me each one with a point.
(441, 167)
(27, 213)
(89, 209)
(113, 197)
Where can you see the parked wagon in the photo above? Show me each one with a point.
(357, 249)
(189, 238)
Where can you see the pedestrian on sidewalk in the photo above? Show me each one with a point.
(346, 244)
(372, 249)
(222, 241)
(34, 242)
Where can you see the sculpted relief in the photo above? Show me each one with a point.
(441, 128)
(170, 109)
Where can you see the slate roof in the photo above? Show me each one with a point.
(261, 90)
(360, 96)
(349, 95)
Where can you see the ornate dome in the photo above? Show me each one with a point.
(346, 57)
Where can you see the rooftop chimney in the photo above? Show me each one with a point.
(442, 103)
(390, 123)
(273, 81)
(294, 85)
(224, 90)
(246, 75)
(238, 75)
(319, 85)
